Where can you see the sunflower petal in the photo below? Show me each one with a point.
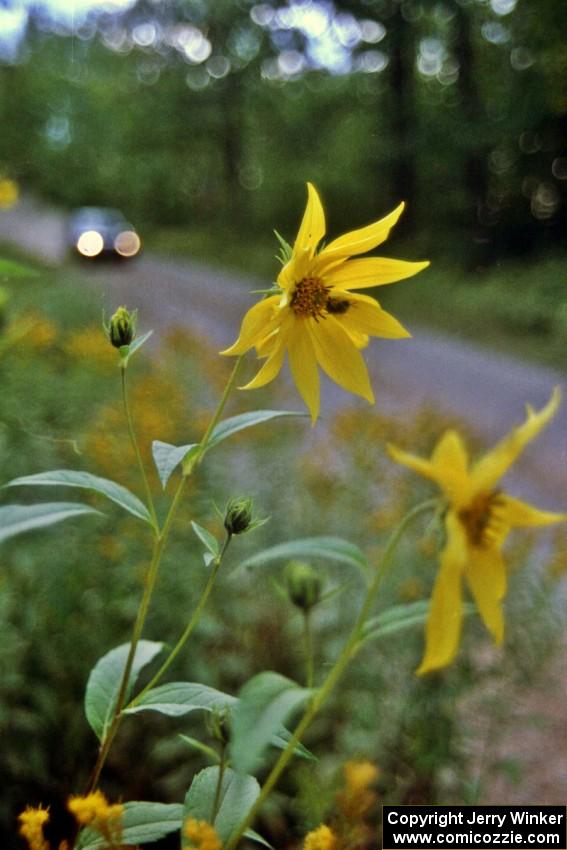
(367, 317)
(339, 357)
(312, 228)
(486, 576)
(517, 514)
(364, 239)
(489, 469)
(268, 371)
(443, 629)
(256, 325)
(303, 365)
(450, 459)
(419, 464)
(372, 271)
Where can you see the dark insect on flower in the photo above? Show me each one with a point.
(337, 306)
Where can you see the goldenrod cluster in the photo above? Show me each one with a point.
(32, 822)
(89, 344)
(94, 810)
(200, 835)
(356, 798)
(348, 830)
(322, 838)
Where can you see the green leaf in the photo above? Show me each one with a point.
(167, 458)
(327, 548)
(283, 737)
(17, 519)
(85, 481)
(264, 704)
(142, 823)
(399, 618)
(395, 619)
(231, 426)
(8, 268)
(238, 793)
(138, 343)
(206, 538)
(105, 678)
(254, 836)
(178, 698)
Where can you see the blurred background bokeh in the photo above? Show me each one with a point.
(201, 120)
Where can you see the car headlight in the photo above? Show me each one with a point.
(127, 243)
(90, 243)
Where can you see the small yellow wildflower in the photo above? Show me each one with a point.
(9, 193)
(32, 822)
(359, 774)
(316, 317)
(94, 810)
(477, 522)
(201, 835)
(322, 838)
(356, 799)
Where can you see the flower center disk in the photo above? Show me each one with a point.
(309, 297)
(479, 519)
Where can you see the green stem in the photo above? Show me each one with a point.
(196, 459)
(159, 546)
(190, 626)
(349, 650)
(136, 447)
(149, 585)
(218, 789)
(308, 641)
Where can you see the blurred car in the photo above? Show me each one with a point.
(101, 232)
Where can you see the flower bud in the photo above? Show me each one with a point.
(238, 517)
(121, 329)
(304, 585)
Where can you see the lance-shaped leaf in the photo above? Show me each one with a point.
(167, 457)
(16, 519)
(85, 481)
(400, 618)
(138, 343)
(141, 822)
(238, 793)
(234, 424)
(209, 542)
(326, 548)
(178, 698)
(264, 704)
(106, 676)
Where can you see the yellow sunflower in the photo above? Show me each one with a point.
(478, 520)
(315, 316)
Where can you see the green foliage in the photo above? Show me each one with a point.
(178, 698)
(142, 823)
(17, 519)
(324, 548)
(85, 480)
(104, 682)
(234, 793)
(264, 705)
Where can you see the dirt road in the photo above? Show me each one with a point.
(487, 389)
